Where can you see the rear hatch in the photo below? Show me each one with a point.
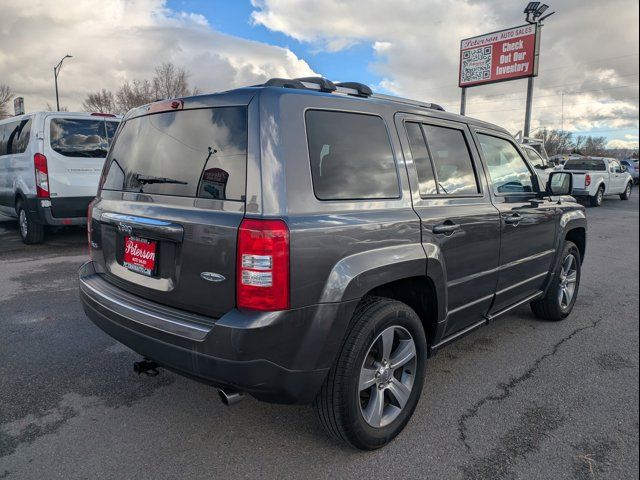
(76, 147)
(165, 223)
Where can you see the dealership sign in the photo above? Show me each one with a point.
(499, 56)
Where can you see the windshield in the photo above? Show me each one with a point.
(585, 164)
(188, 153)
(82, 138)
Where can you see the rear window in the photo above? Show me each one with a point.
(351, 156)
(81, 138)
(592, 165)
(188, 153)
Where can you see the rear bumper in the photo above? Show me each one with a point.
(59, 211)
(280, 357)
(580, 192)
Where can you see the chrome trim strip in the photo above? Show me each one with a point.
(470, 304)
(519, 284)
(458, 334)
(528, 299)
(97, 296)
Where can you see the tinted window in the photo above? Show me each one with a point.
(9, 136)
(79, 138)
(186, 153)
(351, 156)
(615, 167)
(420, 155)
(22, 136)
(454, 168)
(508, 170)
(111, 130)
(586, 164)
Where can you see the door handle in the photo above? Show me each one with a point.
(446, 228)
(514, 220)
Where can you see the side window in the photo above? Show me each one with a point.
(351, 156)
(615, 167)
(11, 133)
(23, 135)
(3, 143)
(533, 156)
(455, 174)
(508, 170)
(420, 155)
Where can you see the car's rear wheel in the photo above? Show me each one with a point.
(598, 198)
(375, 384)
(31, 232)
(627, 192)
(561, 296)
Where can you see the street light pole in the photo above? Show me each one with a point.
(56, 72)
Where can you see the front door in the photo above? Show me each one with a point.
(460, 226)
(527, 224)
(618, 178)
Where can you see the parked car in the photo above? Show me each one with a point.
(316, 243)
(541, 166)
(50, 164)
(596, 177)
(632, 167)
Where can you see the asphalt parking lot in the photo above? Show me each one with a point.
(520, 398)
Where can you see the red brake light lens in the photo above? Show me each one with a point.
(89, 224)
(587, 180)
(42, 175)
(263, 265)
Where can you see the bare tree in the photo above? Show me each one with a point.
(6, 94)
(595, 146)
(556, 141)
(171, 81)
(133, 94)
(102, 102)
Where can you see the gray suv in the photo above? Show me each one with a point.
(309, 242)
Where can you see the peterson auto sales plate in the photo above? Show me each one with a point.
(140, 255)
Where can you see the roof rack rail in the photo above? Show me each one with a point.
(324, 84)
(361, 89)
(407, 101)
(321, 84)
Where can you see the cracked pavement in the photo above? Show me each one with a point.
(518, 399)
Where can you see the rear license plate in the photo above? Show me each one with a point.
(140, 255)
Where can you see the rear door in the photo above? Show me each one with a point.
(450, 196)
(528, 226)
(165, 224)
(75, 147)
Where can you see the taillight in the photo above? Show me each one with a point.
(89, 224)
(587, 180)
(42, 175)
(263, 265)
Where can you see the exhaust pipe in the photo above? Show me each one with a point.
(230, 397)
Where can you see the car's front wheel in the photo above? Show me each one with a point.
(375, 384)
(561, 296)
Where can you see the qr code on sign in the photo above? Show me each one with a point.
(476, 64)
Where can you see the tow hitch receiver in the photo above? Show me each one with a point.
(146, 366)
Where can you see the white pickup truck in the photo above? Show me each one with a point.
(596, 177)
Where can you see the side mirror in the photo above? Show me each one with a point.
(624, 169)
(560, 183)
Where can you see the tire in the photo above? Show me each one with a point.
(556, 305)
(344, 409)
(627, 192)
(30, 231)
(597, 199)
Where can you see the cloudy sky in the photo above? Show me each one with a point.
(407, 47)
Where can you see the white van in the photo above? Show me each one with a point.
(50, 165)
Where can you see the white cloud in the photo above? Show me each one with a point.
(625, 144)
(119, 40)
(589, 51)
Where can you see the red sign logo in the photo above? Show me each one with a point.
(140, 255)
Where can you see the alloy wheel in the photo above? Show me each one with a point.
(24, 226)
(387, 376)
(568, 281)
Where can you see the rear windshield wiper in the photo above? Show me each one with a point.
(148, 179)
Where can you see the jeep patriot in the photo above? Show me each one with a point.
(305, 241)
